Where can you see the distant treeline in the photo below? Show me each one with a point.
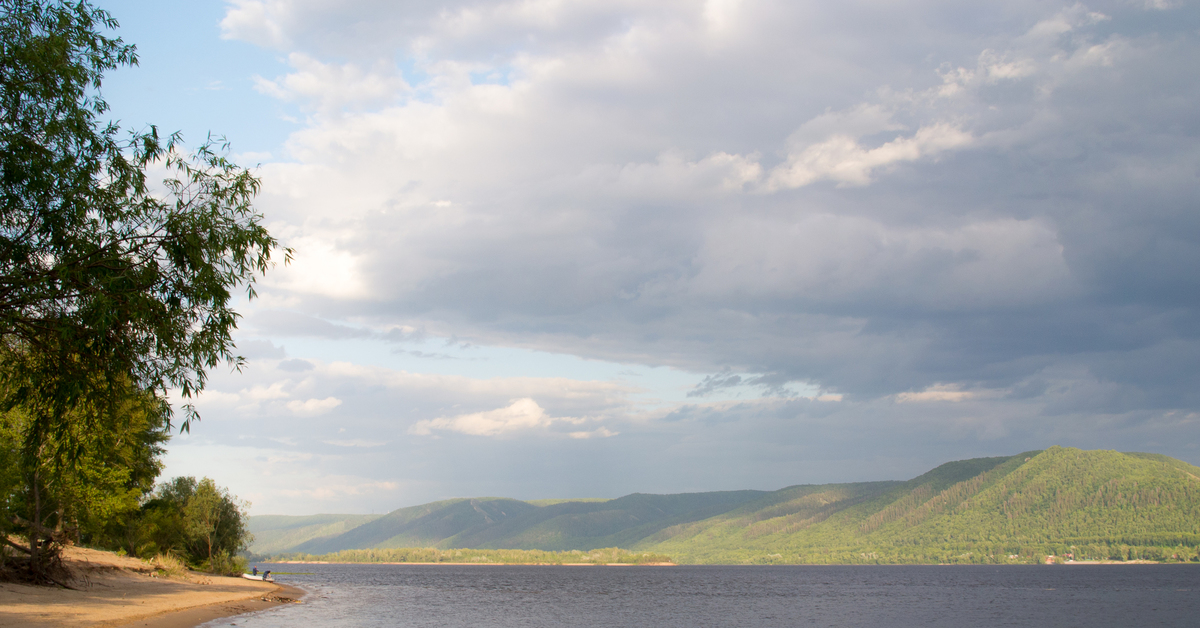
(981, 554)
(606, 556)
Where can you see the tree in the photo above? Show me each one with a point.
(99, 274)
(87, 497)
(105, 279)
(215, 521)
(160, 526)
(196, 520)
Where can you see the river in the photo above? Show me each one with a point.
(893, 596)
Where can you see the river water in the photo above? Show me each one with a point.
(1095, 596)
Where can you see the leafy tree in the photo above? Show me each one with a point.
(106, 280)
(215, 521)
(99, 273)
(89, 496)
(160, 526)
(196, 520)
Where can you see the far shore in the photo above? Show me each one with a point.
(331, 562)
(115, 591)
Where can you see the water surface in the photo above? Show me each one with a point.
(1095, 596)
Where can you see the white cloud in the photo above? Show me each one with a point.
(312, 407)
(319, 267)
(329, 87)
(600, 432)
(841, 158)
(216, 398)
(939, 392)
(256, 21)
(270, 392)
(521, 414)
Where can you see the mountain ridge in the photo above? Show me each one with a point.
(1060, 501)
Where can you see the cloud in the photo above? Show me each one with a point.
(266, 393)
(295, 366)
(600, 432)
(560, 208)
(254, 349)
(936, 393)
(330, 87)
(311, 407)
(520, 415)
(840, 158)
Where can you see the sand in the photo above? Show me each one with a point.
(121, 591)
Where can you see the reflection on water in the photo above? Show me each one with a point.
(1095, 596)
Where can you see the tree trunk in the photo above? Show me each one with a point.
(35, 562)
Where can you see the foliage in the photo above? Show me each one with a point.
(112, 288)
(168, 565)
(606, 556)
(84, 497)
(102, 276)
(196, 520)
(225, 564)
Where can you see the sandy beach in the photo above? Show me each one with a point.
(121, 591)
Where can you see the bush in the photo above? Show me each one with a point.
(168, 565)
(225, 564)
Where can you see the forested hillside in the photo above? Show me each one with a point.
(1064, 502)
(1088, 504)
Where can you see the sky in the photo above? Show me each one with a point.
(556, 248)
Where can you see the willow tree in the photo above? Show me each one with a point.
(106, 276)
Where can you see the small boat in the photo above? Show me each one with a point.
(264, 577)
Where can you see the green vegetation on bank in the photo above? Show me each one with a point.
(606, 556)
(1066, 503)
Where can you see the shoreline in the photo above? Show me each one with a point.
(111, 591)
(332, 562)
(194, 616)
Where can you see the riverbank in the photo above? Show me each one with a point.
(470, 564)
(117, 591)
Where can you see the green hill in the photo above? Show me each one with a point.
(278, 533)
(1090, 504)
(1100, 505)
